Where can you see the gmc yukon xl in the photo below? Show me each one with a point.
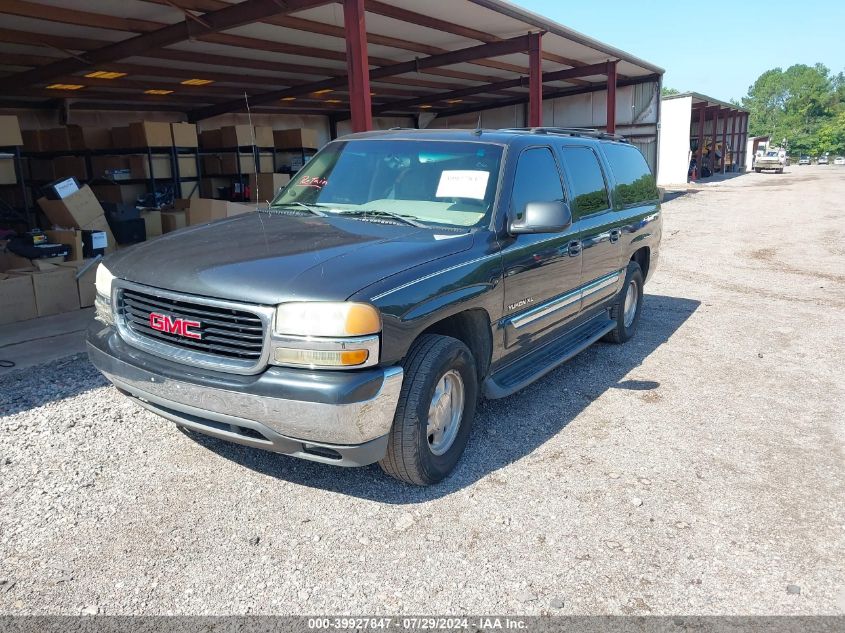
(399, 277)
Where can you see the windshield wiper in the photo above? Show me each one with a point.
(311, 208)
(405, 219)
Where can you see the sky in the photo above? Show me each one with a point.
(718, 49)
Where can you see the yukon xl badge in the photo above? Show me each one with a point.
(520, 303)
(174, 325)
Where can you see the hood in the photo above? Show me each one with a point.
(269, 258)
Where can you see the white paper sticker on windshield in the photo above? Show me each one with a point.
(463, 183)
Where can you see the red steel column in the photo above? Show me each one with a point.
(611, 97)
(535, 80)
(734, 144)
(715, 138)
(699, 153)
(357, 65)
(725, 141)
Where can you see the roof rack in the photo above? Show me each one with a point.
(570, 131)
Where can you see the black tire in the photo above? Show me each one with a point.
(759, 171)
(622, 333)
(409, 457)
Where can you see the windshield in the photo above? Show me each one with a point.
(447, 183)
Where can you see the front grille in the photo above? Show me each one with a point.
(225, 332)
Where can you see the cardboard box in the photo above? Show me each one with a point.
(139, 164)
(120, 137)
(7, 171)
(17, 298)
(71, 237)
(188, 166)
(189, 190)
(238, 208)
(184, 134)
(296, 138)
(92, 138)
(229, 164)
(152, 220)
(34, 140)
(211, 165)
(209, 186)
(76, 239)
(58, 140)
(150, 134)
(70, 167)
(266, 186)
(55, 289)
(263, 136)
(76, 211)
(211, 139)
(85, 283)
(41, 169)
(204, 210)
(10, 131)
(265, 163)
(118, 193)
(101, 224)
(173, 220)
(233, 136)
(101, 165)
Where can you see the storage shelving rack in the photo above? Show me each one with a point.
(153, 182)
(241, 176)
(10, 213)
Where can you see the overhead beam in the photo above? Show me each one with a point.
(313, 26)
(557, 75)
(232, 16)
(506, 47)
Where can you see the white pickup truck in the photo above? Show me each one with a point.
(771, 161)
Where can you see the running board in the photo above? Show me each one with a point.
(523, 372)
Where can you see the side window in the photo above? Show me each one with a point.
(635, 183)
(586, 182)
(537, 179)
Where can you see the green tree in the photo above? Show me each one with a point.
(795, 104)
(666, 91)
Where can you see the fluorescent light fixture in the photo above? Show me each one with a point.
(333, 101)
(65, 87)
(324, 91)
(105, 74)
(197, 82)
(425, 106)
(288, 98)
(454, 101)
(156, 91)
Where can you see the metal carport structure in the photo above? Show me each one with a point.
(347, 60)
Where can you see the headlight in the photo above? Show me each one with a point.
(325, 335)
(103, 281)
(323, 318)
(102, 302)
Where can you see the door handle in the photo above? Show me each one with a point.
(615, 234)
(574, 248)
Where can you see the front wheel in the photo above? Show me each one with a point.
(628, 306)
(435, 411)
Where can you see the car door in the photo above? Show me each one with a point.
(598, 227)
(541, 271)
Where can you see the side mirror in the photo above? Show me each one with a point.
(542, 217)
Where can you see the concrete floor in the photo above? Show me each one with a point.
(43, 340)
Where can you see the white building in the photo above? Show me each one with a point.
(701, 131)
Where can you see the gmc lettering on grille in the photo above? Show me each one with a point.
(175, 325)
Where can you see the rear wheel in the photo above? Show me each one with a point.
(435, 411)
(628, 306)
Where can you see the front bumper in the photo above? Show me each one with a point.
(340, 418)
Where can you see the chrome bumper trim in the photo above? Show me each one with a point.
(341, 424)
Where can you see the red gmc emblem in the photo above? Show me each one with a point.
(174, 325)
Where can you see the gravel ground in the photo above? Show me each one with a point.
(697, 469)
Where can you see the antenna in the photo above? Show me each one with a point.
(477, 130)
(256, 155)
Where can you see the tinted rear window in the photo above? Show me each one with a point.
(635, 183)
(586, 182)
